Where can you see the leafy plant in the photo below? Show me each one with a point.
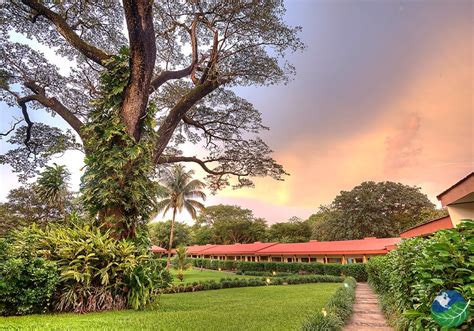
(27, 285)
(337, 311)
(97, 272)
(410, 277)
(181, 262)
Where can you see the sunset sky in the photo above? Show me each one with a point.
(384, 91)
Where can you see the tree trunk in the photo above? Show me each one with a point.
(168, 262)
(139, 18)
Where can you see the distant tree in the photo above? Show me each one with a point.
(178, 190)
(372, 209)
(293, 231)
(180, 262)
(201, 234)
(160, 232)
(24, 206)
(52, 186)
(232, 224)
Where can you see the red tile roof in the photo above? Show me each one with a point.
(428, 227)
(362, 246)
(158, 249)
(197, 249)
(237, 249)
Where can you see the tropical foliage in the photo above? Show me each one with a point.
(96, 272)
(410, 277)
(181, 262)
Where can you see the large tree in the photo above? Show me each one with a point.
(372, 209)
(230, 225)
(133, 98)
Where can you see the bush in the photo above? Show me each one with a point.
(409, 278)
(97, 272)
(236, 282)
(337, 311)
(357, 271)
(26, 285)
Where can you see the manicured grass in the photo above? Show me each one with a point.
(196, 275)
(250, 308)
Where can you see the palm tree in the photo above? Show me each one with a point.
(180, 262)
(178, 190)
(52, 186)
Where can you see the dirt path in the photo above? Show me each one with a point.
(367, 314)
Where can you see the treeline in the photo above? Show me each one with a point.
(371, 209)
(383, 209)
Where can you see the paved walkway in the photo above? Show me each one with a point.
(367, 314)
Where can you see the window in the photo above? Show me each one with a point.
(304, 259)
(276, 259)
(334, 260)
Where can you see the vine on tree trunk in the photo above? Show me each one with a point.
(117, 185)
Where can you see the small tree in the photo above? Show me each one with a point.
(181, 263)
(178, 190)
(52, 186)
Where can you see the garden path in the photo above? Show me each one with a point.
(367, 314)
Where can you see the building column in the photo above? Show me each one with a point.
(344, 261)
(364, 259)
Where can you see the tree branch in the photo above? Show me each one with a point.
(177, 113)
(55, 105)
(175, 159)
(167, 75)
(95, 54)
(11, 129)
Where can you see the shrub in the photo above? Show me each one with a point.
(236, 282)
(97, 272)
(26, 285)
(357, 271)
(337, 311)
(409, 278)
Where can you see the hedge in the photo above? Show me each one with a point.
(409, 278)
(358, 271)
(248, 282)
(337, 311)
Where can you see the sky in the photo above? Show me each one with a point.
(384, 91)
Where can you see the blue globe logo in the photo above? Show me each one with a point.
(449, 309)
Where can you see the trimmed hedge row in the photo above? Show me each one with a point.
(358, 271)
(237, 282)
(337, 311)
(264, 273)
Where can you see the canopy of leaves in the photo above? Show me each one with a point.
(185, 61)
(372, 209)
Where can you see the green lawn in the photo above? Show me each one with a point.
(249, 308)
(196, 275)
